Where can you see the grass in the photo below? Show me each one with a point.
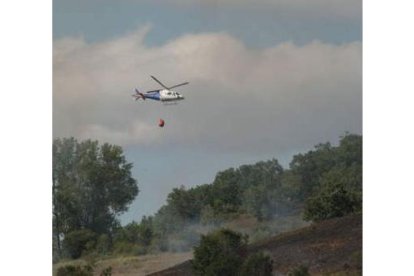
(131, 265)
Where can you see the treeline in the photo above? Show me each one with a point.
(323, 183)
(92, 185)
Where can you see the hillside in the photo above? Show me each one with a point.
(331, 247)
(130, 265)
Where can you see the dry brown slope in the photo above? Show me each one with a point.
(329, 247)
(131, 265)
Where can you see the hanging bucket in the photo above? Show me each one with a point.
(161, 123)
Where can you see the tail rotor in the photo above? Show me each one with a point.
(138, 95)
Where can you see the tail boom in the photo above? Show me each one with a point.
(138, 95)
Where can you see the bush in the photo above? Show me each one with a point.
(333, 201)
(257, 264)
(219, 253)
(127, 248)
(103, 245)
(78, 241)
(72, 270)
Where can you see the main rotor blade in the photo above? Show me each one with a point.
(152, 91)
(184, 83)
(159, 82)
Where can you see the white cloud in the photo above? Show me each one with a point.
(239, 99)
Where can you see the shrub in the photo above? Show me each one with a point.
(127, 248)
(103, 245)
(257, 264)
(219, 253)
(78, 241)
(72, 270)
(333, 201)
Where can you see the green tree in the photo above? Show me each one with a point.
(262, 188)
(219, 253)
(340, 188)
(350, 150)
(146, 231)
(92, 185)
(78, 241)
(309, 167)
(62, 178)
(291, 185)
(341, 194)
(133, 232)
(186, 203)
(166, 221)
(226, 192)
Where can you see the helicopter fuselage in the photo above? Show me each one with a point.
(164, 95)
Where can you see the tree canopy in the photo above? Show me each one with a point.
(338, 190)
(92, 185)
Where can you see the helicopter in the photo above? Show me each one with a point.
(163, 95)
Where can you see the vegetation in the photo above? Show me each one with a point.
(254, 190)
(224, 252)
(81, 270)
(330, 247)
(77, 241)
(219, 253)
(92, 185)
(338, 191)
(323, 183)
(71, 270)
(257, 264)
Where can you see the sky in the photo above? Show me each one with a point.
(267, 80)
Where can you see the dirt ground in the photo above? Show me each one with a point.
(136, 265)
(332, 247)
